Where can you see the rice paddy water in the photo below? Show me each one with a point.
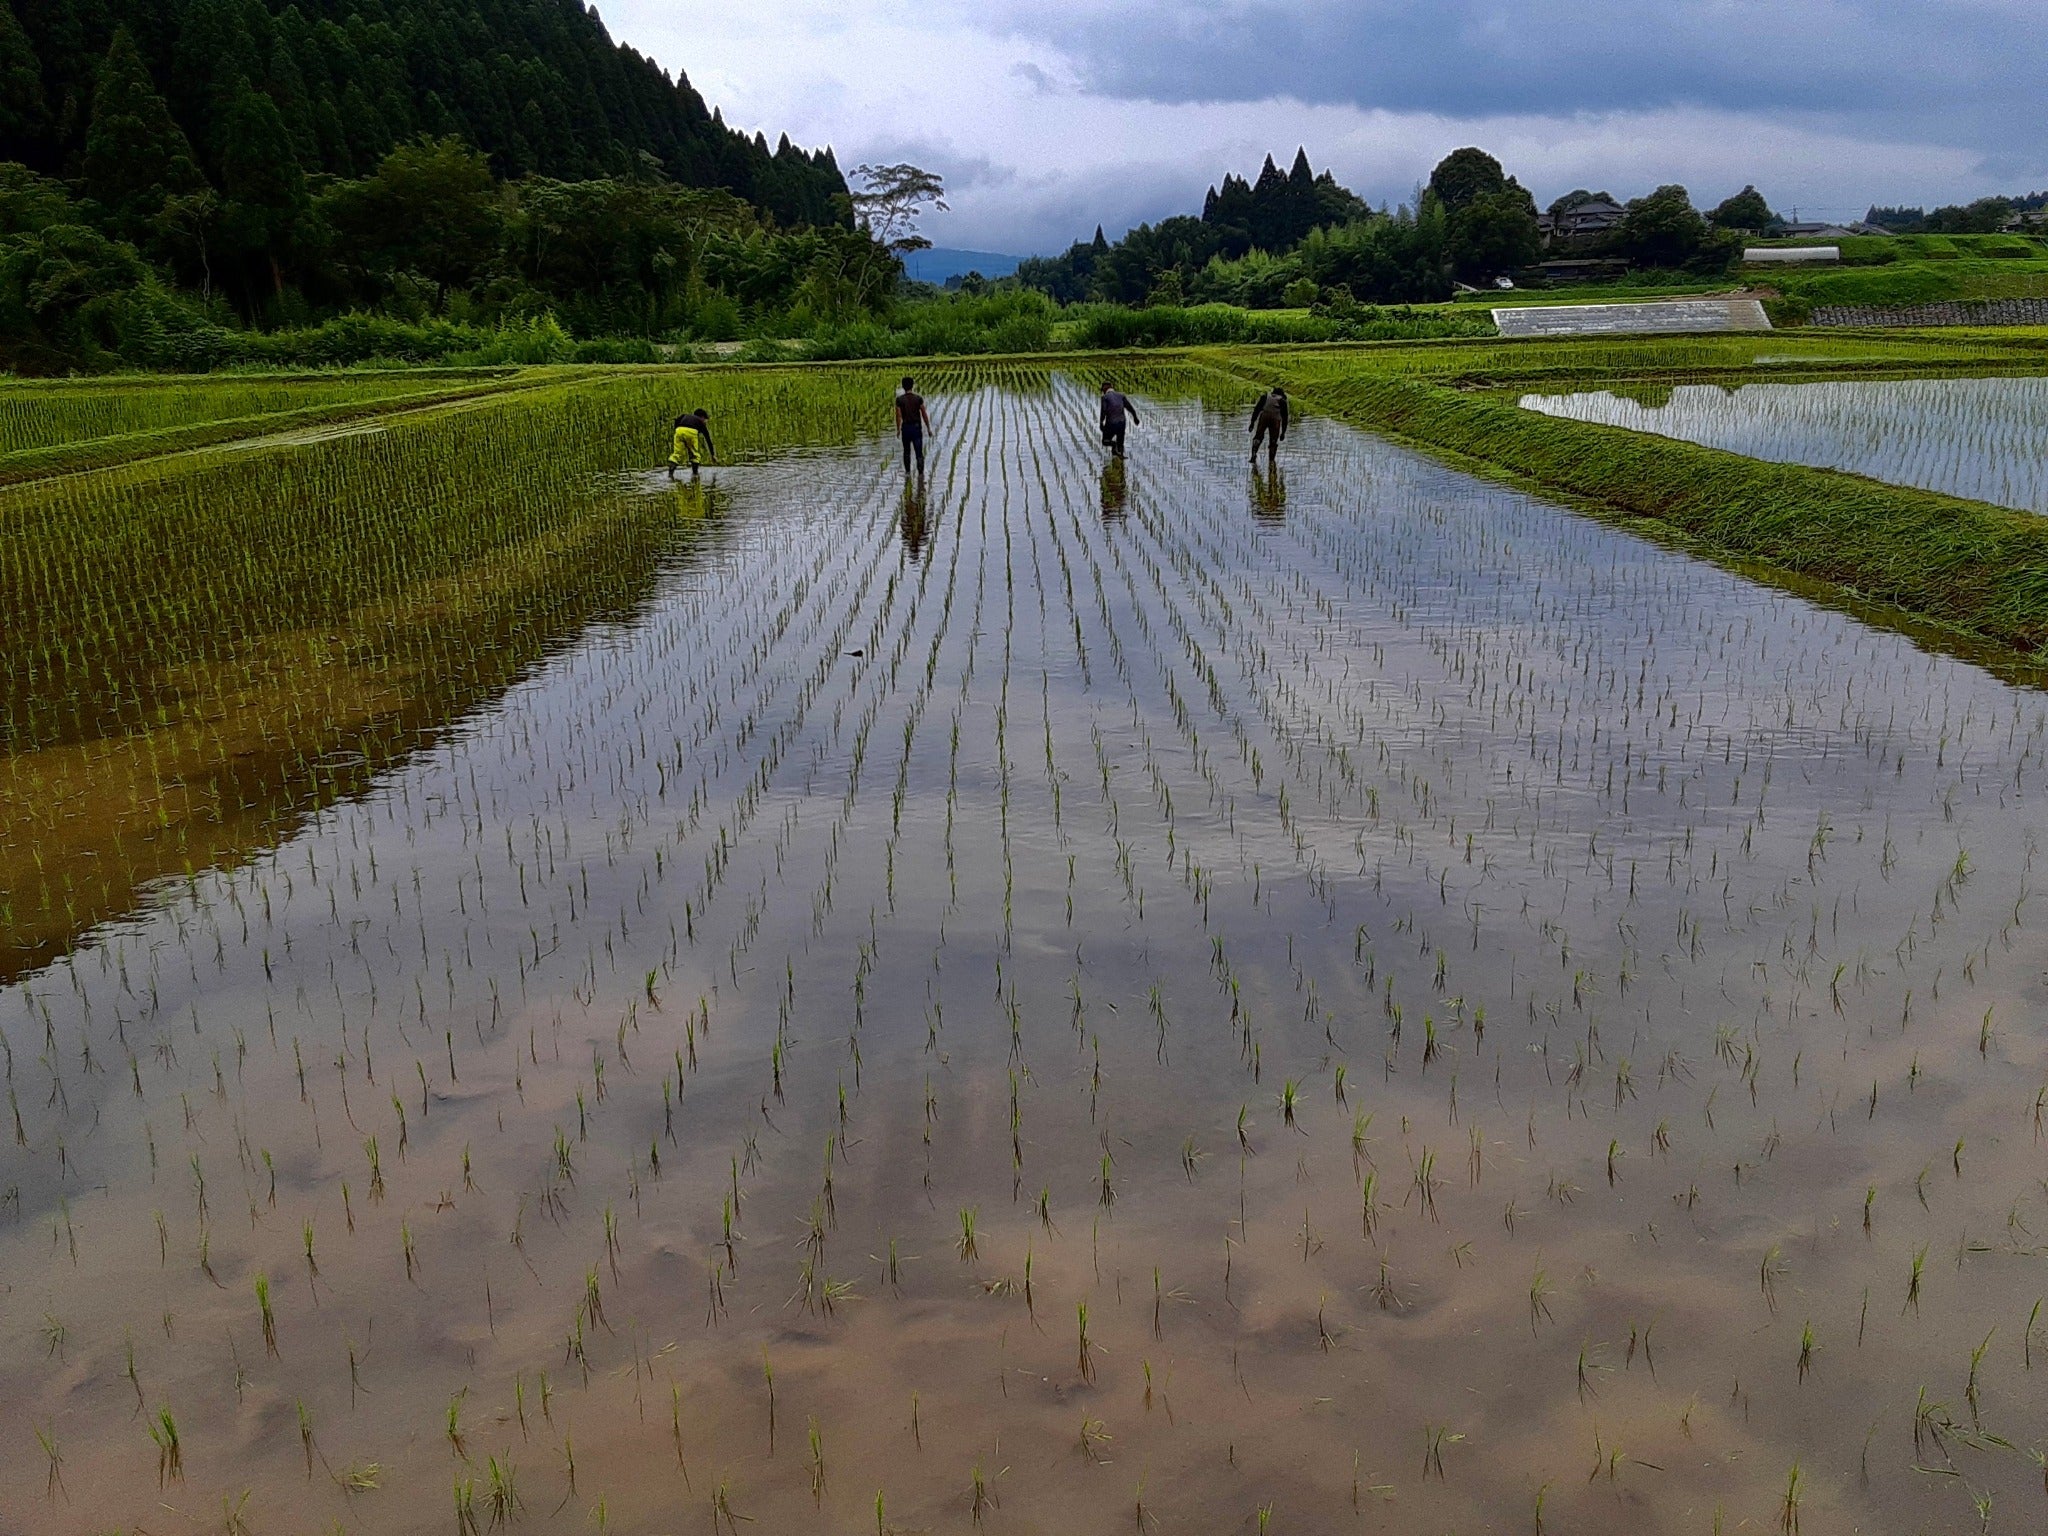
(1077, 997)
(1980, 438)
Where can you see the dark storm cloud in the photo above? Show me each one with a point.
(1886, 59)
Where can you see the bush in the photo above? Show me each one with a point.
(1010, 320)
(716, 318)
(618, 349)
(1788, 310)
(1105, 327)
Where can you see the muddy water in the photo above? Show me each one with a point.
(1979, 438)
(1454, 992)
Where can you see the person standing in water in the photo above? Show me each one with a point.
(693, 431)
(911, 420)
(1117, 411)
(1269, 425)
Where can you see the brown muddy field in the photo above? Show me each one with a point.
(1079, 999)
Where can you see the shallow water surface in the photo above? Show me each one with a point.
(1986, 439)
(1082, 998)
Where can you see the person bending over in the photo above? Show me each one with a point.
(911, 421)
(1117, 412)
(693, 433)
(1269, 424)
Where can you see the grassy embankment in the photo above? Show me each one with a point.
(1893, 272)
(1974, 572)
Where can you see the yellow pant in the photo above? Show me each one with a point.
(685, 450)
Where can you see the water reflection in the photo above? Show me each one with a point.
(912, 522)
(1269, 495)
(1978, 438)
(696, 499)
(1115, 490)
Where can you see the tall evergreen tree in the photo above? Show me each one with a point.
(136, 156)
(1269, 196)
(213, 54)
(1300, 201)
(263, 190)
(24, 111)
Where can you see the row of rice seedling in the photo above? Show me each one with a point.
(204, 648)
(1077, 995)
(46, 414)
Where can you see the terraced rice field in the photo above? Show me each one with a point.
(1073, 997)
(50, 426)
(1986, 439)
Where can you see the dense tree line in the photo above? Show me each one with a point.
(429, 237)
(1985, 216)
(1272, 214)
(1299, 239)
(179, 166)
(332, 86)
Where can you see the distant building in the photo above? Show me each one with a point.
(1597, 216)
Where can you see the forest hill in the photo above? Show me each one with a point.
(178, 175)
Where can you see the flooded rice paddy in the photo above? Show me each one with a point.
(1076, 998)
(1986, 439)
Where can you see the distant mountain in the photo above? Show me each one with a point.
(941, 262)
(538, 85)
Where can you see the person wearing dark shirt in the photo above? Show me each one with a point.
(1117, 413)
(693, 431)
(911, 421)
(1269, 424)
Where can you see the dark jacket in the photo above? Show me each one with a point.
(1115, 406)
(1271, 409)
(702, 428)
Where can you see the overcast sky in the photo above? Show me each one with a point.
(1047, 119)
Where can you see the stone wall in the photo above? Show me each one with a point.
(1961, 312)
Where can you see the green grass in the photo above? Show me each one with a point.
(1917, 282)
(1633, 287)
(1879, 250)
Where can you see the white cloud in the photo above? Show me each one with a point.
(1039, 151)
